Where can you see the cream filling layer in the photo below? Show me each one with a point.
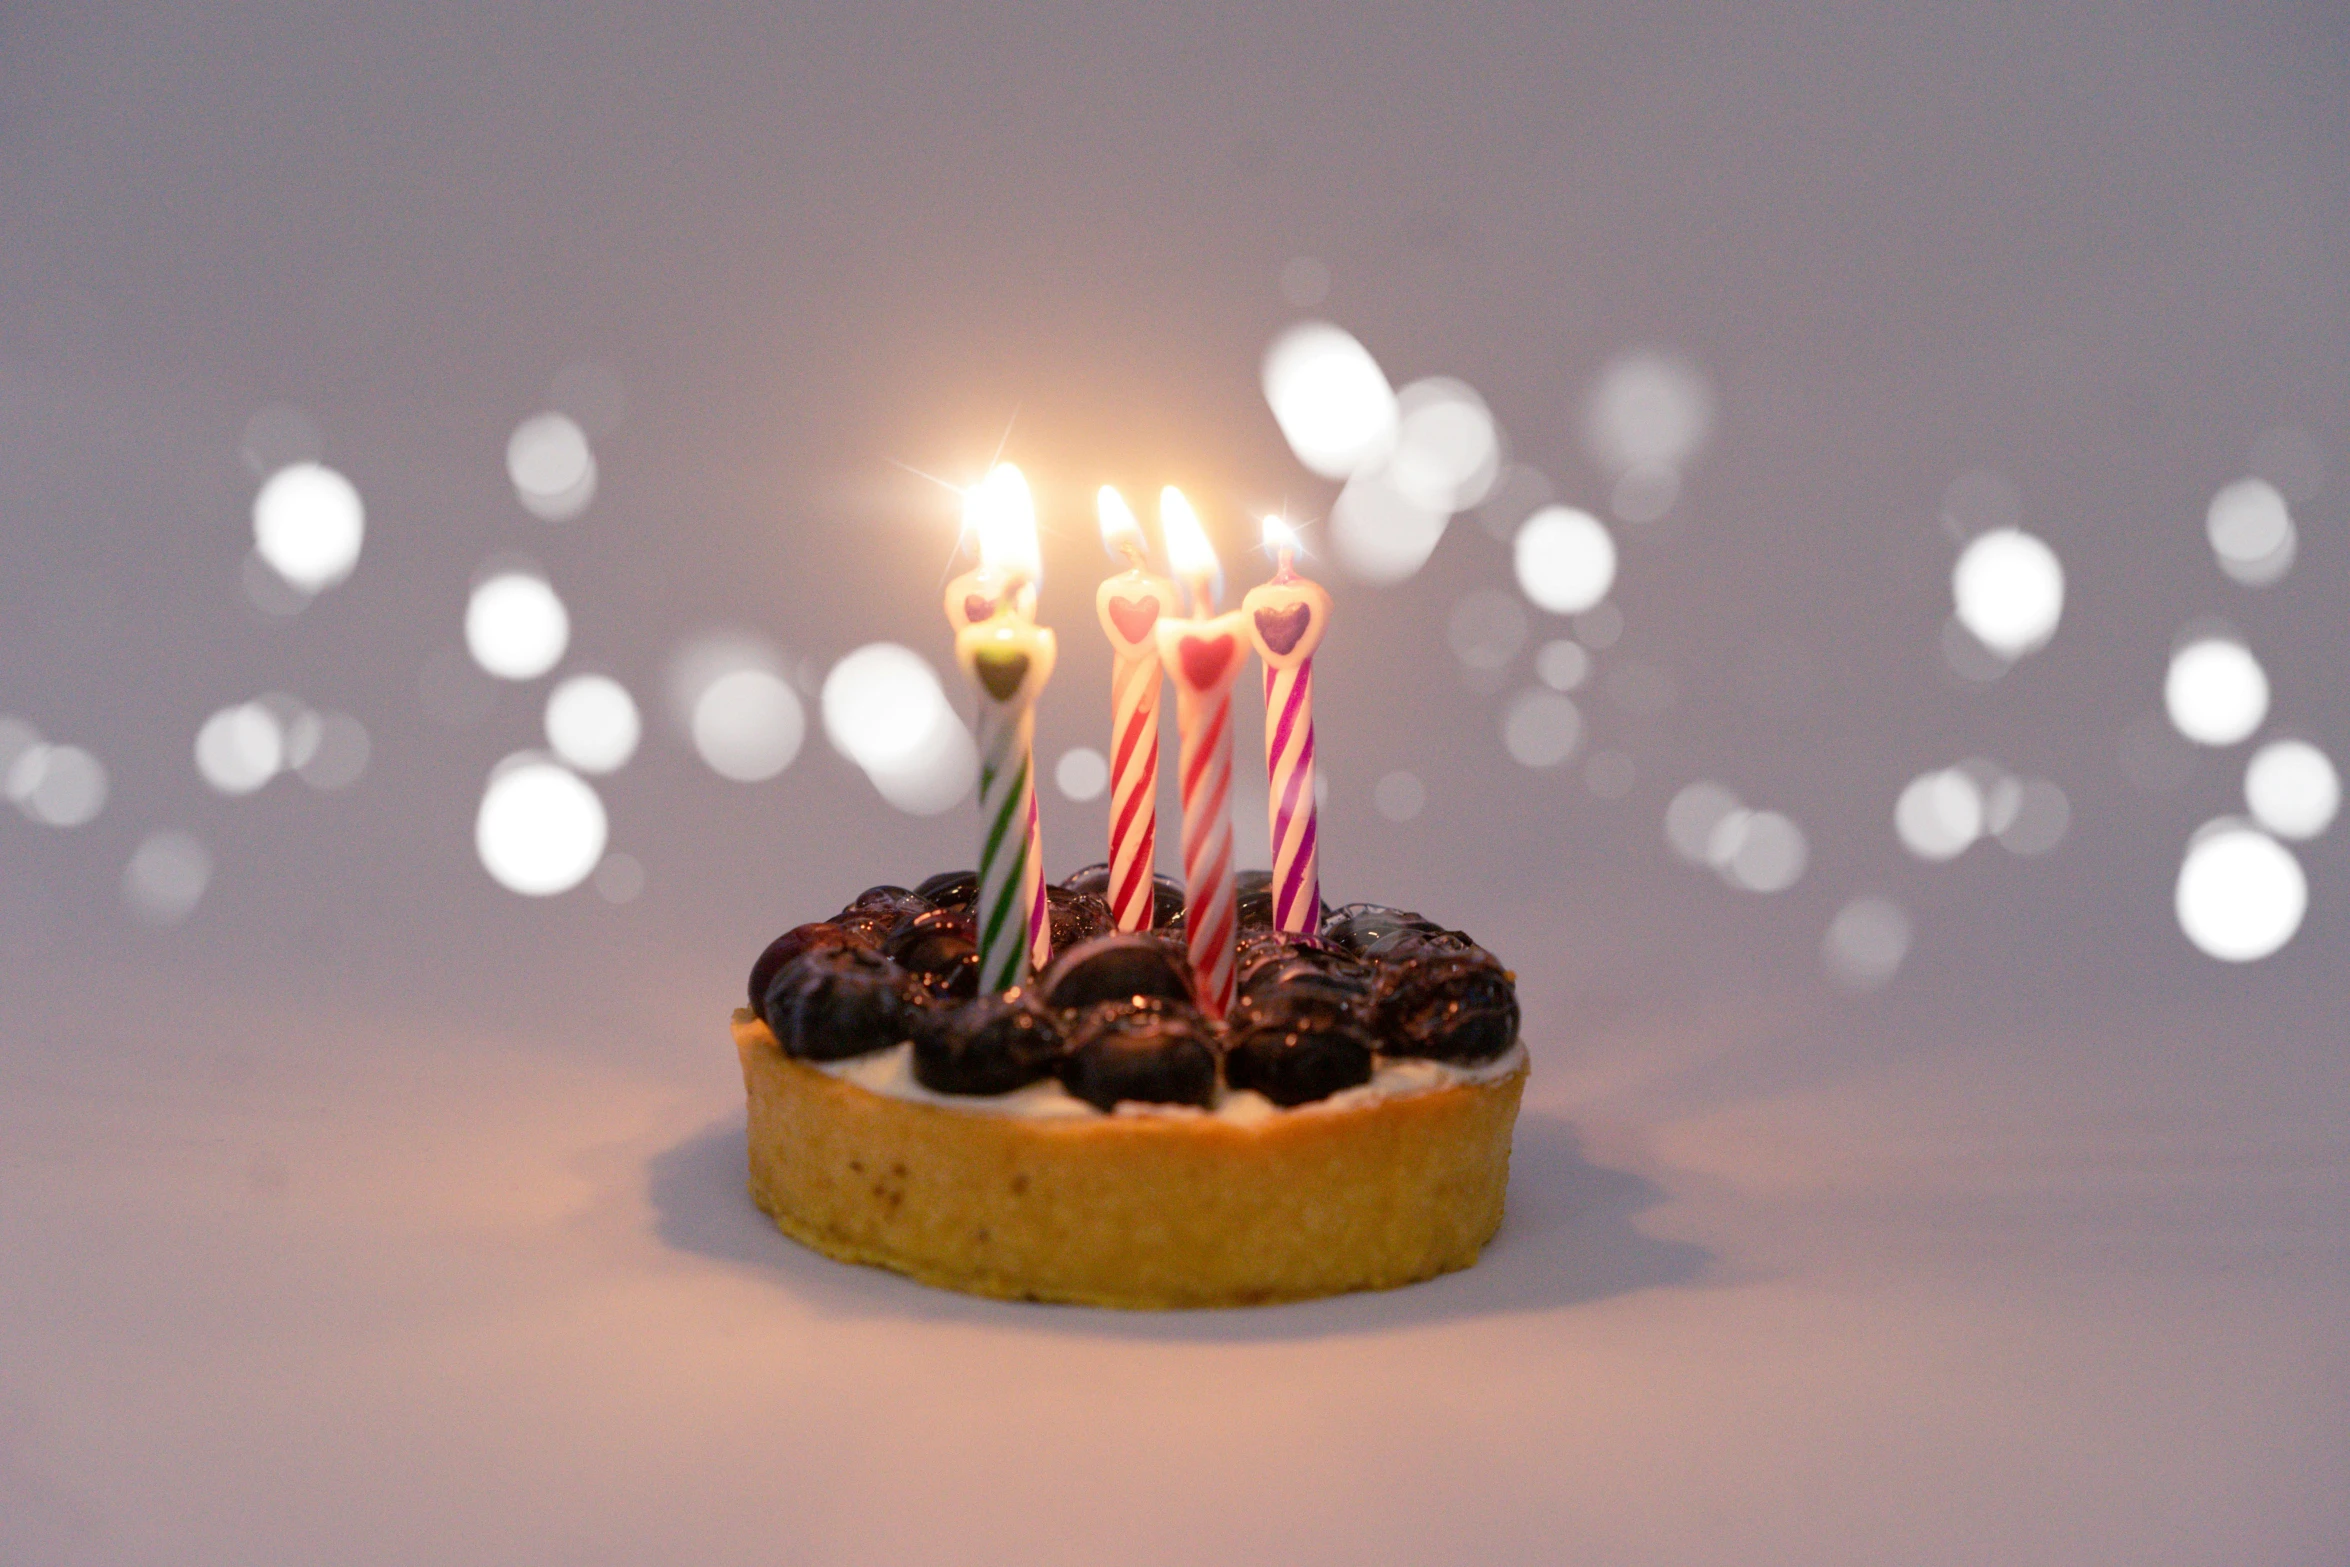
(890, 1073)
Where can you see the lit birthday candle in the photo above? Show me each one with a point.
(1202, 653)
(1008, 658)
(999, 507)
(1131, 605)
(1286, 618)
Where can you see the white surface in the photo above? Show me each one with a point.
(470, 1296)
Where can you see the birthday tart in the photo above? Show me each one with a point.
(1095, 1138)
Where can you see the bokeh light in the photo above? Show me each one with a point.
(1399, 796)
(17, 740)
(1082, 773)
(57, 785)
(1562, 665)
(1378, 533)
(619, 878)
(339, 755)
(308, 525)
(1649, 410)
(748, 724)
(2291, 788)
(1644, 494)
(541, 829)
(1540, 728)
(2251, 532)
(1486, 629)
(1332, 401)
(1693, 817)
(885, 710)
(1707, 824)
(1939, 814)
(240, 748)
(1761, 851)
(2029, 816)
(552, 467)
(592, 723)
(1565, 560)
(1447, 451)
(1866, 943)
(2241, 893)
(2008, 589)
(515, 626)
(2216, 692)
(879, 703)
(166, 877)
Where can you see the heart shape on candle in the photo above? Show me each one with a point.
(1134, 617)
(1001, 671)
(1206, 658)
(977, 607)
(1282, 627)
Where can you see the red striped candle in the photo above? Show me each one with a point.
(1286, 619)
(1131, 605)
(1203, 654)
(1203, 657)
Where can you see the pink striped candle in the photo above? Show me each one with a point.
(1131, 604)
(1286, 619)
(1203, 654)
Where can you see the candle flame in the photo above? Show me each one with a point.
(1188, 550)
(1280, 537)
(1121, 531)
(1000, 512)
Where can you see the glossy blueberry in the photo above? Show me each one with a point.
(1297, 1065)
(1446, 1006)
(951, 889)
(877, 910)
(784, 948)
(1270, 960)
(1373, 930)
(940, 949)
(1153, 1052)
(1166, 894)
(1117, 968)
(990, 1045)
(833, 1002)
(1076, 916)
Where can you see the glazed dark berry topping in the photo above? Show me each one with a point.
(991, 1045)
(833, 1002)
(1118, 968)
(1115, 1016)
(951, 889)
(1446, 1006)
(1145, 1049)
(940, 948)
(1166, 894)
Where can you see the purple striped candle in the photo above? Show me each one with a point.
(1286, 618)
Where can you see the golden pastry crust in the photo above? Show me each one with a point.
(1146, 1212)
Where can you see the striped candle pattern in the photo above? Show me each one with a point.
(1134, 789)
(1040, 921)
(1289, 769)
(1006, 798)
(1211, 934)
